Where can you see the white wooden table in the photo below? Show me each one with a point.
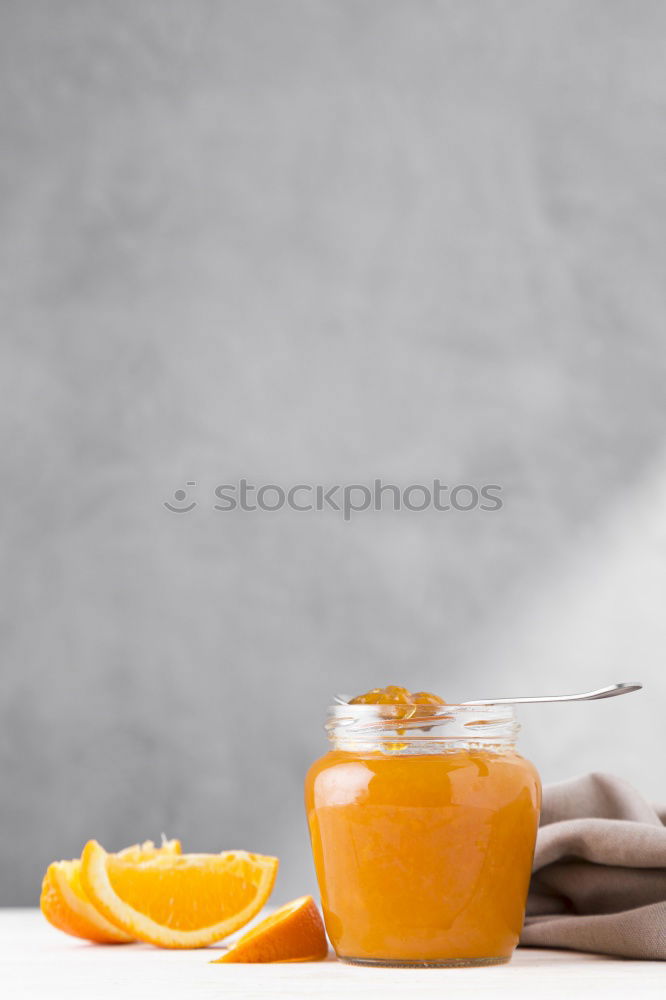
(37, 961)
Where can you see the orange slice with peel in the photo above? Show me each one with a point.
(294, 933)
(65, 903)
(183, 901)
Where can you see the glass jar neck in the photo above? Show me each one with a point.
(399, 729)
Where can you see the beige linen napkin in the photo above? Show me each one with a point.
(599, 875)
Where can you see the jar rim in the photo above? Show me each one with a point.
(430, 726)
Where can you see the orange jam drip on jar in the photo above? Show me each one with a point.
(423, 857)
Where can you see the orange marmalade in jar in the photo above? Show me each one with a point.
(423, 819)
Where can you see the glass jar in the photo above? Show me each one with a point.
(423, 832)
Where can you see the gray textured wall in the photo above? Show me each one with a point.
(319, 241)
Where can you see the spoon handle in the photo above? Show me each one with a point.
(606, 692)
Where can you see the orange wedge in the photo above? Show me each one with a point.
(183, 901)
(294, 933)
(66, 905)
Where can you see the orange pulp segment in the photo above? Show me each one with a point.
(65, 903)
(294, 933)
(185, 901)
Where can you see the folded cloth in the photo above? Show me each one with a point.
(599, 875)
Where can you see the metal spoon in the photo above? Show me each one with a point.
(612, 691)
